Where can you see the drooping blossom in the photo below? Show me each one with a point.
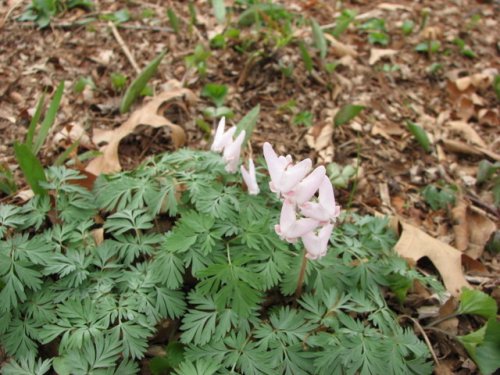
(302, 214)
(317, 245)
(325, 209)
(284, 175)
(222, 138)
(289, 228)
(230, 148)
(306, 189)
(250, 178)
(231, 154)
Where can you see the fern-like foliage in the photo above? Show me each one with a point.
(94, 273)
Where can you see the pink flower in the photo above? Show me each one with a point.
(325, 209)
(306, 189)
(222, 139)
(250, 179)
(289, 227)
(231, 154)
(316, 245)
(284, 177)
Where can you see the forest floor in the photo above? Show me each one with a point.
(430, 63)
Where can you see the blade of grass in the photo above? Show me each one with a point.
(31, 167)
(306, 57)
(248, 123)
(347, 113)
(420, 135)
(49, 119)
(65, 155)
(319, 39)
(138, 84)
(219, 10)
(34, 121)
(173, 20)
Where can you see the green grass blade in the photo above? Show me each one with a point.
(248, 123)
(138, 84)
(31, 167)
(319, 39)
(420, 135)
(173, 20)
(49, 119)
(34, 121)
(306, 57)
(65, 155)
(219, 10)
(347, 113)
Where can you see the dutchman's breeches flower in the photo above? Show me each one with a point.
(297, 189)
(231, 149)
(250, 178)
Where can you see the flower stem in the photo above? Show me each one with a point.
(302, 273)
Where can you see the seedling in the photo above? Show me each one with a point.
(148, 13)
(173, 20)
(464, 48)
(377, 33)
(7, 180)
(120, 16)
(217, 94)
(407, 27)
(82, 83)
(347, 113)
(340, 176)
(42, 11)
(420, 135)
(304, 118)
(198, 60)
(343, 21)
(430, 47)
(435, 68)
(118, 81)
(439, 197)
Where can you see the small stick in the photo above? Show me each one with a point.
(124, 47)
(426, 338)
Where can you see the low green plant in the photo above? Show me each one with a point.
(91, 302)
(173, 20)
(304, 118)
(429, 47)
(42, 11)
(489, 174)
(198, 60)
(440, 196)
(217, 94)
(377, 32)
(465, 50)
(118, 81)
(341, 176)
(120, 16)
(407, 27)
(82, 82)
(343, 21)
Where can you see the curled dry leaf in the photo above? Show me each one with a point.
(377, 53)
(463, 148)
(319, 137)
(468, 132)
(460, 225)
(340, 49)
(481, 228)
(415, 244)
(108, 162)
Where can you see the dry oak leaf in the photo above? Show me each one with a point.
(468, 132)
(415, 244)
(378, 53)
(319, 138)
(340, 49)
(108, 162)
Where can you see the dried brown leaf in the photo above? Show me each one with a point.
(467, 131)
(147, 115)
(460, 225)
(377, 53)
(415, 244)
(340, 49)
(481, 228)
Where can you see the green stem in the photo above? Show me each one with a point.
(302, 274)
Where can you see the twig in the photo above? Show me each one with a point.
(426, 338)
(124, 47)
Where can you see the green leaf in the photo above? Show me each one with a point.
(319, 38)
(306, 57)
(206, 366)
(173, 20)
(483, 346)
(27, 366)
(343, 21)
(219, 10)
(65, 155)
(136, 87)
(496, 86)
(248, 123)
(34, 122)
(31, 167)
(48, 120)
(420, 135)
(347, 113)
(215, 92)
(477, 303)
